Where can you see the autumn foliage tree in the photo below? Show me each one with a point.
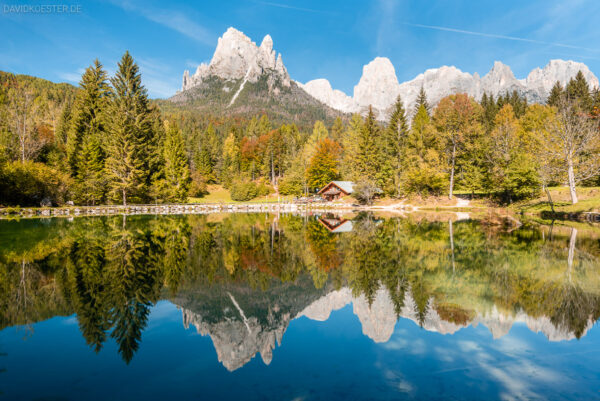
(457, 117)
(324, 165)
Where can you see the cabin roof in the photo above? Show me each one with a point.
(336, 225)
(346, 186)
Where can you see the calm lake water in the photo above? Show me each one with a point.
(289, 307)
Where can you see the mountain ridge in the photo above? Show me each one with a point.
(239, 63)
(379, 88)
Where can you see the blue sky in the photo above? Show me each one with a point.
(317, 39)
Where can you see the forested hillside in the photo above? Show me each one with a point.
(282, 104)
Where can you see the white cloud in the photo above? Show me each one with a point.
(153, 76)
(169, 18)
(72, 77)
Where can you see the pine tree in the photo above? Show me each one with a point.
(422, 101)
(64, 124)
(129, 129)
(88, 112)
(502, 100)
(90, 180)
(318, 134)
(366, 160)
(231, 159)
(350, 146)
(596, 102)
(204, 164)
(390, 145)
(578, 90)
(489, 111)
(518, 103)
(556, 95)
(336, 130)
(264, 125)
(423, 162)
(211, 140)
(484, 100)
(176, 173)
(154, 161)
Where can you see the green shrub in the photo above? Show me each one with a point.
(33, 184)
(290, 186)
(198, 188)
(243, 191)
(264, 189)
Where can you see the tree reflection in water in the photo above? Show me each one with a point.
(110, 271)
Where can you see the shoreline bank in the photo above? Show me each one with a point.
(281, 207)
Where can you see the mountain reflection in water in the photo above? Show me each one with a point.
(242, 278)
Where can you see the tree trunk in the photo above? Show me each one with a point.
(549, 198)
(571, 174)
(452, 171)
(571, 256)
(24, 132)
(124, 198)
(451, 232)
(272, 171)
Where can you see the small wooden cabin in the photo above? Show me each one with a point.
(336, 189)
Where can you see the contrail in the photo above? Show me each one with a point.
(496, 36)
(309, 10)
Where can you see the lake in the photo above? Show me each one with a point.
(298, 307)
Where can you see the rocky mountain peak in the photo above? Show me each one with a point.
(238, 57)
(500, 79)
(378, 85)
(543, 79)
(267, 44)
(321, 90)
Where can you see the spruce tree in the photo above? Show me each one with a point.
(264, 125)
(336, 130)
(518, 103)
(366, 161)
(489, 111)
(556, 95)
(484, 100)
(390, 145)
(422, 101)
(204, 164)
(88, 112)
(578, 90)
(423, 162)
(129, 129)
(176, 172)
(596, 101)
(350, 145)
(64, 124)
(90, 180)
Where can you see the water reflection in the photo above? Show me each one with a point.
(241, 279)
